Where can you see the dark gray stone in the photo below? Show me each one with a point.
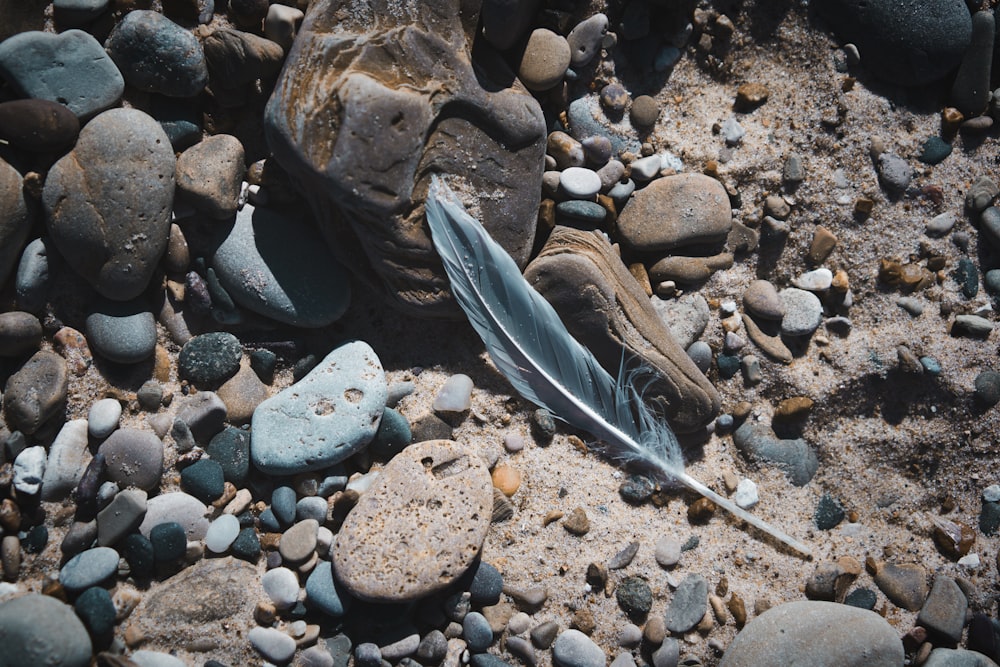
(210, 359)
(970, 93)
(158, 56)
(15, 223)
(36, 393)
(230, 447)
(31, 281)
(71, 68)
(634, 597)
(362, 142)
(323, 594)
(689, 604)
(122, 331)
(204, 480)
(943, 613)
(97, 611)
(108, 202)
(795, 457)
(20, 333)
(904, 42)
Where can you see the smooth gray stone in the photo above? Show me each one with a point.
(146, 658)
(156, 55)
(71, 68)
(122, 331)
(794, 457)
(103, 418)
(572, 648)
(324, 418)
(40, 630)
(688, 605)
(276, 264)
(957, 657)
(943, 612)
(108, 202)
(818, 634)
(134, 458)
(323, 593)
(31, 281)
(204, 414)
(36, 393)
(585, 39)
(186, 510)
(68, 459)
(74, 13)
(121, 516)
(686, 317)
(88, 569)
(29, 469)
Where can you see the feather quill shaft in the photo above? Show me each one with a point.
(530, 345)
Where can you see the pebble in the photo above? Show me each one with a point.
(230, 448)
(987, 387)
(905, 585)
(676, 211)
(247, 545)
(585, 39)
(121, 516)
(68, 458)
(817, 280)
(299, 542)
(477, 632)
(644, 112)
(455, 395)
(982, 193)
(598, 150)
(176, 506)
(329, 415)
(273, 644)
(688, 605)
(210, 175)
(20, 333)
(971, 325)
(435, 489)
(283, 504)
(793, 171)
(585, 211)
(486, 586)
(829, 512)
(572, 648)
(970, 92)
(621, 191)
(38, 125)
(546, 58)
(823, 243)
(794, 457)
(323, 593)
(943, 613)
(314, 508)
(910, 304)
(210, 359)
(579, 182)
(700, 353)
(668, 654)
(800, 632)
(400, 650)
(29, 470)
(204, 480)
(97, 611)
(989, 225)
(169, 541)
(276, 264)
(894, 173)
(146, 658)
(614, 98)
(761, 299)
(221, 533)
(956, 657)
(567, 151)
(967, 277)
(122, 331)
(803, 312)
(36, 393)
(668, 551)
(367, 654)
(862, 598)
(41, 630)
(204, 415)
(635, 597)
(281, 586)
(89, 568)
(70, 67)
(746, 494)
(281, 24)
(134, 458)
(646, 168)
(934, 150)
(156, 55)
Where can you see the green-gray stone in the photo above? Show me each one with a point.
(935, 150)
(967, 276)
(584, 211)
(392, 436)
(634, 597)
(829, 512)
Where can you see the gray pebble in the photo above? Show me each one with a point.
(700, 353)
(29, 469)
(982, 193)
(971, 325)
(620, 192)
(940, 225)
(522, 649)
(41, 630)
(686, 317)
(455, 395)
(624, 660)
(795, 457)
(817, 280)
(598, 150)
(647, 168)
(668, 654)
(145, 658)
(103, 417)
(89, 568)
(36, 393)
(750, 367)
(477, 632)
(732, 132)
(761, 299)
(20, 333)
(943, 612)
(803, 312)
(177, 506)
(323, 593)
(585, 39)
(121, 516)
(68, 459)
(572, 648)
(894, 173)
(204, 414)
(134, 458)
(793, 171)
(580, 182)
(31, 280)
(273, 644)
(282, 587)
(668, 551)
(221, 533)
(401, 648)
(688, 605)
(313, 507)
(912, 305)
(122, 331)
(543, 634)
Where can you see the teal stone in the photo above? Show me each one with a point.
(323, 594)
(247, 545)
(204, 480)
(989, 518)
(97, 611)
(935, 150)
(584, 211)
(967, 277)
(40, 630)
(829, 512)
(392, 436)
(729, 365)
(230, 448)
(122, 331)
(931, 366)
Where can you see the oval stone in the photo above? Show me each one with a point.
(676, 211)
(419, 527)
(821, 634)
(36, 392)
(15, 223)
(38, 125)
(158, 56)
(135, 458)
(41, 630)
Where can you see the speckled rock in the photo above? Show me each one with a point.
(134, 458)
(156, 55)
(795, 457)
(686, 316)
(36, 393)
(433, 503)
(819, 634)
(40, 630)
(545, 60)
(676, 211)
(15, 224)
(210, 173)
(323, 418)
(108, 202)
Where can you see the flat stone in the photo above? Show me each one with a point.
(971, 325)
(20, 333)
(15, 224)
(579, 182)
(40, 630)
(298, 542)
(894, 173)
(89, 568)
(762, 300)
(177, 506)
(365, 144)
(236, 59)
(686, 316)
(147, 658)
(943, 612)
(121, 516)
(794, 457)
(273, 262)
(281, 586)
(68, 458)
(156, 55)
(210, 173)
(36, 393)
(108, 202)
(324, 418)
(676, 211)
(204, 414)
(70, 68)
(273, 644)
(905, 585)
(122, 331)
(38, 125)
(817, 280)
(688, 605)
(824, 634)
(134, 458)
(323, 592)
(432, 503)
(572, 648)
(29, 470)
(230, 448)
(222, 533)
(615, 317)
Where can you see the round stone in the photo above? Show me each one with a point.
(546, 59)
(122, 331)
(487, 584)
(817, 280)
(230, 448)
(281, 586)
(477, 632)
(89, 568)
(584, 211)
(987, 387)
(676, 211)
(156, 55)
(36, 393)
(599, 150)
(38, 125)
(222, 533)
(204, 480)
(103, 417)
(614, 98)
(299, 542)
(169, 541)
(803, 312)
(186, 510)
(210, 359)
(579, 182)
(210, 174)
(40, 630)
(134, 458)
(138, 552)
(97, 611)
(432, 503)
(634, 597)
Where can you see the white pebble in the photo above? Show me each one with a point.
(145, 658)
(970, 561)
(991, 493)
(732, 132)
(29, 469)
(746, 494)
(630, 635)
(513, 442)
(222, 533)
(580, 182)
(668, 551)
(103, 418)
(647, 168)
(281, 586)
(727, 308)
(518, 623)
(455, 395)
(273, 644)
(817, 280)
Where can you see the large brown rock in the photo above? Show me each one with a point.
(604, 308)
(376, 97)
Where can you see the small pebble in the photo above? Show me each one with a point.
(746, 494)
(455, 396)
(222, 533)
(987, 387)
(89, 568)
(818, 280)
(667, 552)
(573, 648)
(579, 182)
(477, 632)
(732, 132)
(273, 644)
(281, 586)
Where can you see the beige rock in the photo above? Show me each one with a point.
(676, 211)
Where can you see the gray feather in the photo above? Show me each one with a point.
(530, 345)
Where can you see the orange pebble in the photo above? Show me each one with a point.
(506, 479)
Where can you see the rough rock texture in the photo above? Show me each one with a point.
(419, 527)
(16, 220)
(108, 202)
(36, 392)
(604, 307)
(375, 98)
